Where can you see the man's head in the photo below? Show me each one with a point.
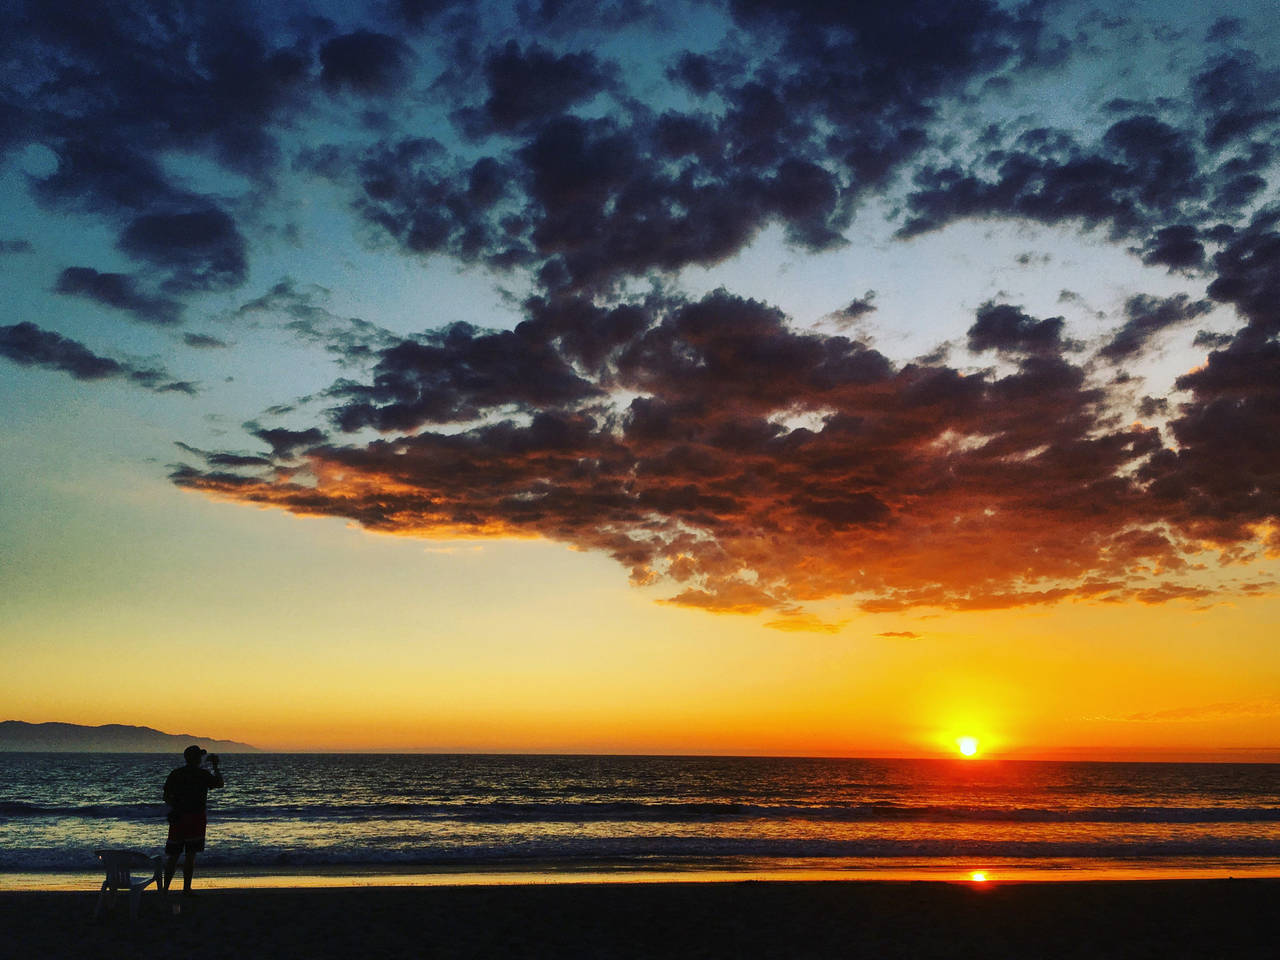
(193, 755)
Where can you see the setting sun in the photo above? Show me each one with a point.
(968, 745)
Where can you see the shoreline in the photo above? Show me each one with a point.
(966, 872)
(747, 919)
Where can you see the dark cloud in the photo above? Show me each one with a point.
(1238, 97)
(530, 85)
(418, 13)
(1248, 276)
(350, 340)
(1211, 340)
(228, 461)
(411, 191)
(567, 16)
(1153, 407)
(155, 380)
(15, 246)
(1007, 329)
(199, 249)
(1157, 159)
(1237, 184)
(589, 201)
(29, 345)
(364, 62)
(1224, 28)
(1173, 184)
(120, 291)
(1176, 247)
(908, 486)
(115, 93)
(203, 341)
(458, 374)
(200, 76)
(1141, 176)
(844, 103)
(105, 176)
(701, 74)
(589, 204)
(856, 308)
(1147, 316)
(909, 48)
(285, 443)
(1224, 477)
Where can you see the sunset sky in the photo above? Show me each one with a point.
(800, 377)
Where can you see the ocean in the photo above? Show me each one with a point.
(292, 815)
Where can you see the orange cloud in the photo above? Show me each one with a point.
(919, 486)
(1260, 707)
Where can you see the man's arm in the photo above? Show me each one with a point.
(217, 780)
(168, 789)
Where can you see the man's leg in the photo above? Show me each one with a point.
(170, 865)
(188, 868)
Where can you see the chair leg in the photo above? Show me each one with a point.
(97, 908)
(135, 899)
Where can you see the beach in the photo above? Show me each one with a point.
(749, 919)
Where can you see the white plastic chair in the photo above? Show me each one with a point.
(120, 865)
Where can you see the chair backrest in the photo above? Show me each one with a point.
(119, 863)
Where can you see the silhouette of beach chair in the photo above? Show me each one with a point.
(120, 866)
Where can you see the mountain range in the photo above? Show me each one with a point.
(18, 735)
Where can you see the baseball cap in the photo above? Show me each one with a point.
(194, 751)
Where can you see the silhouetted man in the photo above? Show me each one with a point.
(186, 791)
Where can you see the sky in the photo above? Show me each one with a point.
(723, 376)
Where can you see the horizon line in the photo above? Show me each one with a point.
(1226, 755)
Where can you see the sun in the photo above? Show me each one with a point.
(967, 745)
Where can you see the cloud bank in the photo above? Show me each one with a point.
(912, 485)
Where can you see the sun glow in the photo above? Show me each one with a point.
(967, 745)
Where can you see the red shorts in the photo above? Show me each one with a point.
(186, 832)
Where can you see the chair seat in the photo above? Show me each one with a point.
(120, 866)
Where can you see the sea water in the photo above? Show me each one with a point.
(432, 814)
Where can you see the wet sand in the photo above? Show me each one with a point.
(1149, 919)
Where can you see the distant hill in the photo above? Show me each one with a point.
(17, 735)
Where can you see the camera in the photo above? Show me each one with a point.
(213, 758)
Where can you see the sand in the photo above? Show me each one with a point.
(1156, 919)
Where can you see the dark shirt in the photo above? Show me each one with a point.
(186, 789)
